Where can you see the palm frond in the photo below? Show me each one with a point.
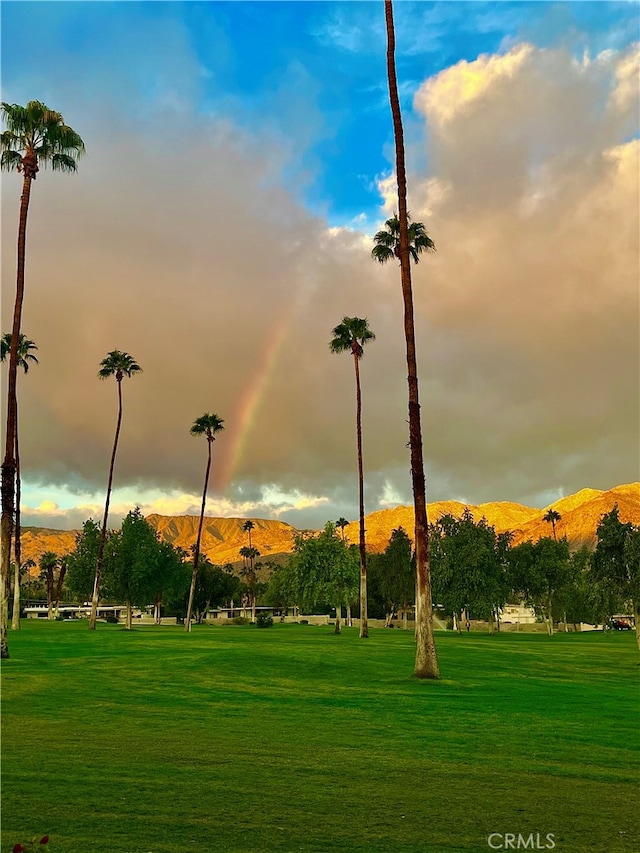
(118, 362)
(207, 424)
(387, 241)
(382, 253)
(42, 132)
(10, 160)
(351, 335)
(62, 163)
(385, 238)
(24, 350)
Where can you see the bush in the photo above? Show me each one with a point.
(111, 618)
(240, 620)
(304, 621)
(264, 620)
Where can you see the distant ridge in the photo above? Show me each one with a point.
(580, 515)
(222, 538)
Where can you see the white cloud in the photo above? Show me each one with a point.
(445, 96)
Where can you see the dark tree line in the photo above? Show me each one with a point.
(475, 573)
(141, 570)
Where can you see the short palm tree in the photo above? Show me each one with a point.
(118, 364)
(398, 243)
(248, 527)
(207, 425)
(34, 136)
(25, 355)
(342, 523)
(351, 336)
(551, 517)
(248, 572)
(48, 563)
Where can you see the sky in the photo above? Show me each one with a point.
(239, 159)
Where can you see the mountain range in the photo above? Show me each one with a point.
(222, 538)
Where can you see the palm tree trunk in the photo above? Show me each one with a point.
(62, 572)
(17, 547)
(7, 486)
(103, 534)
(426, 663)
(15, 618)
(338, 628)
(50, 592)
(196, 552)
(364, 623)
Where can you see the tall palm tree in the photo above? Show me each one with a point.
(34, 136)
(207, 425)
(551, 517)
(351, 336)
(24, 357)
(426, 663)
(118, 364)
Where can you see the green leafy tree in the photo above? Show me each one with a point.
(469, 567)
(552, 517)
(324, 569)
(398, 575)
(615, 566)
(171, 579)
(214, 587)
(426, 661)
(132, 575)
(542, 571)
(576, 600)
(207, 425)
(281, 589)
(82, 560)
(352, 335)
(118, 364)
(25, 356)
(35, 136)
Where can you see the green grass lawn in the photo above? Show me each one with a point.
(293, 739)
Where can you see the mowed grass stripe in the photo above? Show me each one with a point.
(294, 739)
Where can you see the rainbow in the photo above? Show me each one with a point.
(244, 416)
